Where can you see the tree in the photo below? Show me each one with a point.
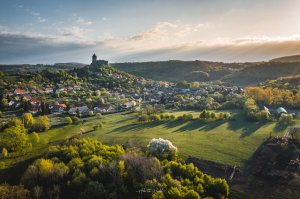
(195, 85)
(286, 119)
(4, 153)
(42, 124)
(163, 149)
(4, 103)
(11, 192)
(14, 139)
(68, 120)
(35, 137)
(28, 120)
(296, 102)
(14, 122)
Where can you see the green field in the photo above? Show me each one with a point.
(231, 142)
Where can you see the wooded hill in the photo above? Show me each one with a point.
(241, 74)
(19, 68)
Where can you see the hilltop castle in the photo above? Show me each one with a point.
(96, 62)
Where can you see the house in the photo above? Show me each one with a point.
(34, 111)
(20, 92)
(267, 110)
(11, 103)
(48, 90)
(83, 110)
(35, 101)
(59, 108)
(280, 111)
(105, 108)
(128, 105)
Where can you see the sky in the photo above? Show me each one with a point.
(55, 31)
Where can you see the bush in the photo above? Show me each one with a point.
(68, 120)
(91, 113)
(35, 137)
(162, 149)
(75, 119)
(144, 118)
(98, 126)
(4, 153)
(154, 118)
(286, 119)
(42, 124)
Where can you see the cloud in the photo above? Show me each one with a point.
(105, 19)
(83, 21)
(169, 32)
(37, 15)
(74, 31)
(16, 47)
(41, 19)
(227, 51)
(73, 44)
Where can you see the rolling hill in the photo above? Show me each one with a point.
(293, 58)
(39, 67)
(240, 74)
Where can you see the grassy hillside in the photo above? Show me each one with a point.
(293, 58)
(262, 72)
(231, 142)
(180, 70)
(240, 74)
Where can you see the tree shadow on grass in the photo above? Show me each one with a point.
(247, 128)
(173, 123)
(12, 175)
(201, 125)
(136, 127)
(280, 127)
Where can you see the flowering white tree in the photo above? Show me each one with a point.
(162, 148)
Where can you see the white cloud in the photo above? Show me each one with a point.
(168, 31)
(105, 19)
(35, 13)
(83, 21)
(41, 19)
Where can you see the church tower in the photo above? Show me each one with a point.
(94, 58)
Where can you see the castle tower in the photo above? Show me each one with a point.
(94, 58)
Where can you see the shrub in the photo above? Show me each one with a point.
(4, 153)
(35, 137)
(286, 119)
(42, 124)
(163, 149)
(154, 118)
(75, 119)
(143, 118)
(68, 120)
(98, 126)
(91, 113)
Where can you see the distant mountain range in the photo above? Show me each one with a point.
(241, 74)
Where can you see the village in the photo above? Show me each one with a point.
(83, 100)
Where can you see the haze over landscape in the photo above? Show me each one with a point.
(35, 31)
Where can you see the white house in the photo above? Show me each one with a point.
(81, 110)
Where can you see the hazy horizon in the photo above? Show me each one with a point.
(47, 32)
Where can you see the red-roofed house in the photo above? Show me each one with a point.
(35, 101)
(19, 92)
(59, 108)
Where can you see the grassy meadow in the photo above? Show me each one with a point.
(231, 142)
